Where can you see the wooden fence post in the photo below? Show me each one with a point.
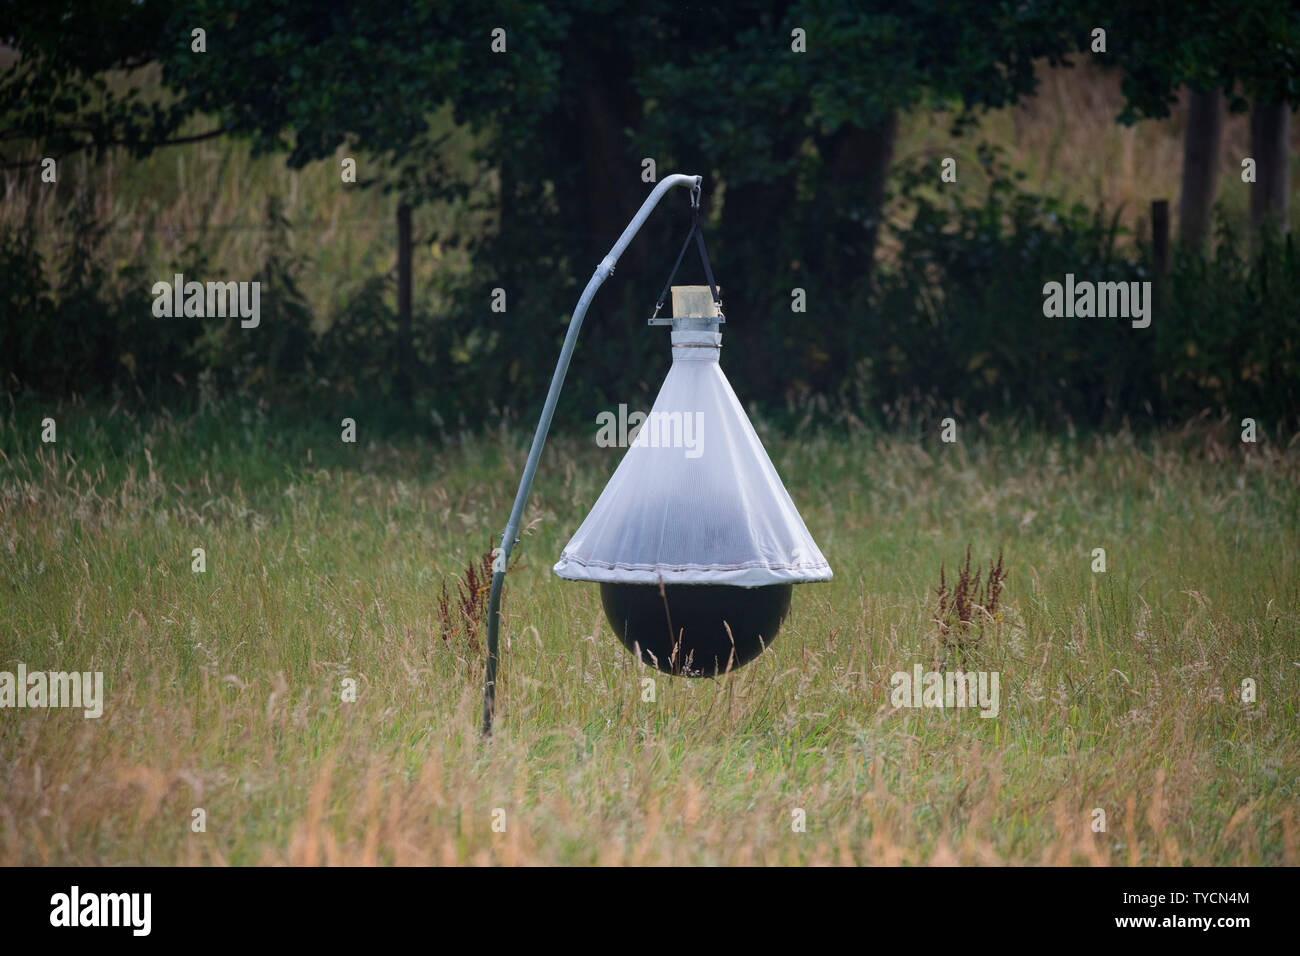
(405, 364)
(404, 265)
(1160, 238)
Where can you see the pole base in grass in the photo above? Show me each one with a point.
(697, 613)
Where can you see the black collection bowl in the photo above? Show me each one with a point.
(684, 629)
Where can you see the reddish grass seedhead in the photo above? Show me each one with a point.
(969, 605)
(462, 611)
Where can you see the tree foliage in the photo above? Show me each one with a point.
(1249, 49)
(795, 144)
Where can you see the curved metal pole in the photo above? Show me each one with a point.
(501, 560)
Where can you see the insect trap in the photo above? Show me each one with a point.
(694, 542)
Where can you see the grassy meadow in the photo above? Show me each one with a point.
(324, 563)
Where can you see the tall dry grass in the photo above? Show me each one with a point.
(1120, 691)
(1066, 140)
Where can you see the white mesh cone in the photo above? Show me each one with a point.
(709, 508)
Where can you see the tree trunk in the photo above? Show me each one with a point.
(841, 246)
(857, 169)
(1200, 165)
(1270, 133)
(752, 261)
(611, 190)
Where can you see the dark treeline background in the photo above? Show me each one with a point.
(919, 294)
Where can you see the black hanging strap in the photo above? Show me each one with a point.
(696, 233)
(704, 258)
